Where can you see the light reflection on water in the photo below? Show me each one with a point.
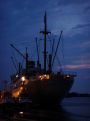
(72, 109)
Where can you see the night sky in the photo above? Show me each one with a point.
(22, 20)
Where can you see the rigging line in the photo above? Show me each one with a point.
(22, 63)
(39, 47)
(62, 40)
(15, 58)
(62, 50)
(59, 63)
(17, 51)
(50, 42)
(37, 50)
(14, 63)
(53, 47)
(47, 59)
(57, 48)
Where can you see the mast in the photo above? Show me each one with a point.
(45, 32)
(38, 61)
(26, 61)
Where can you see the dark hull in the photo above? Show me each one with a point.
(48, 91)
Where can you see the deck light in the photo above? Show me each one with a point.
(23, 78)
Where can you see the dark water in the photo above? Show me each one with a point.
(72, 109)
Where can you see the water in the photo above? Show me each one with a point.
(72, 109)
(78, 108)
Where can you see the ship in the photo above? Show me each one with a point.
(41, 84)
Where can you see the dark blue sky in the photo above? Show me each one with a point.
(21, 21)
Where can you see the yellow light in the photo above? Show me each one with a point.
(26, 82)
(44, 77)
(21, 88)
(16, 93)
(23, 78)
(47, 76)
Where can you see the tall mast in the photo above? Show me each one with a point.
(45, 32)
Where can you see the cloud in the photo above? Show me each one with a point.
(81, 26)
(68, 2)
(85, 44)
(78, 66)
(87, 9)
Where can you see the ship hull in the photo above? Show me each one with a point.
(48, 91)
